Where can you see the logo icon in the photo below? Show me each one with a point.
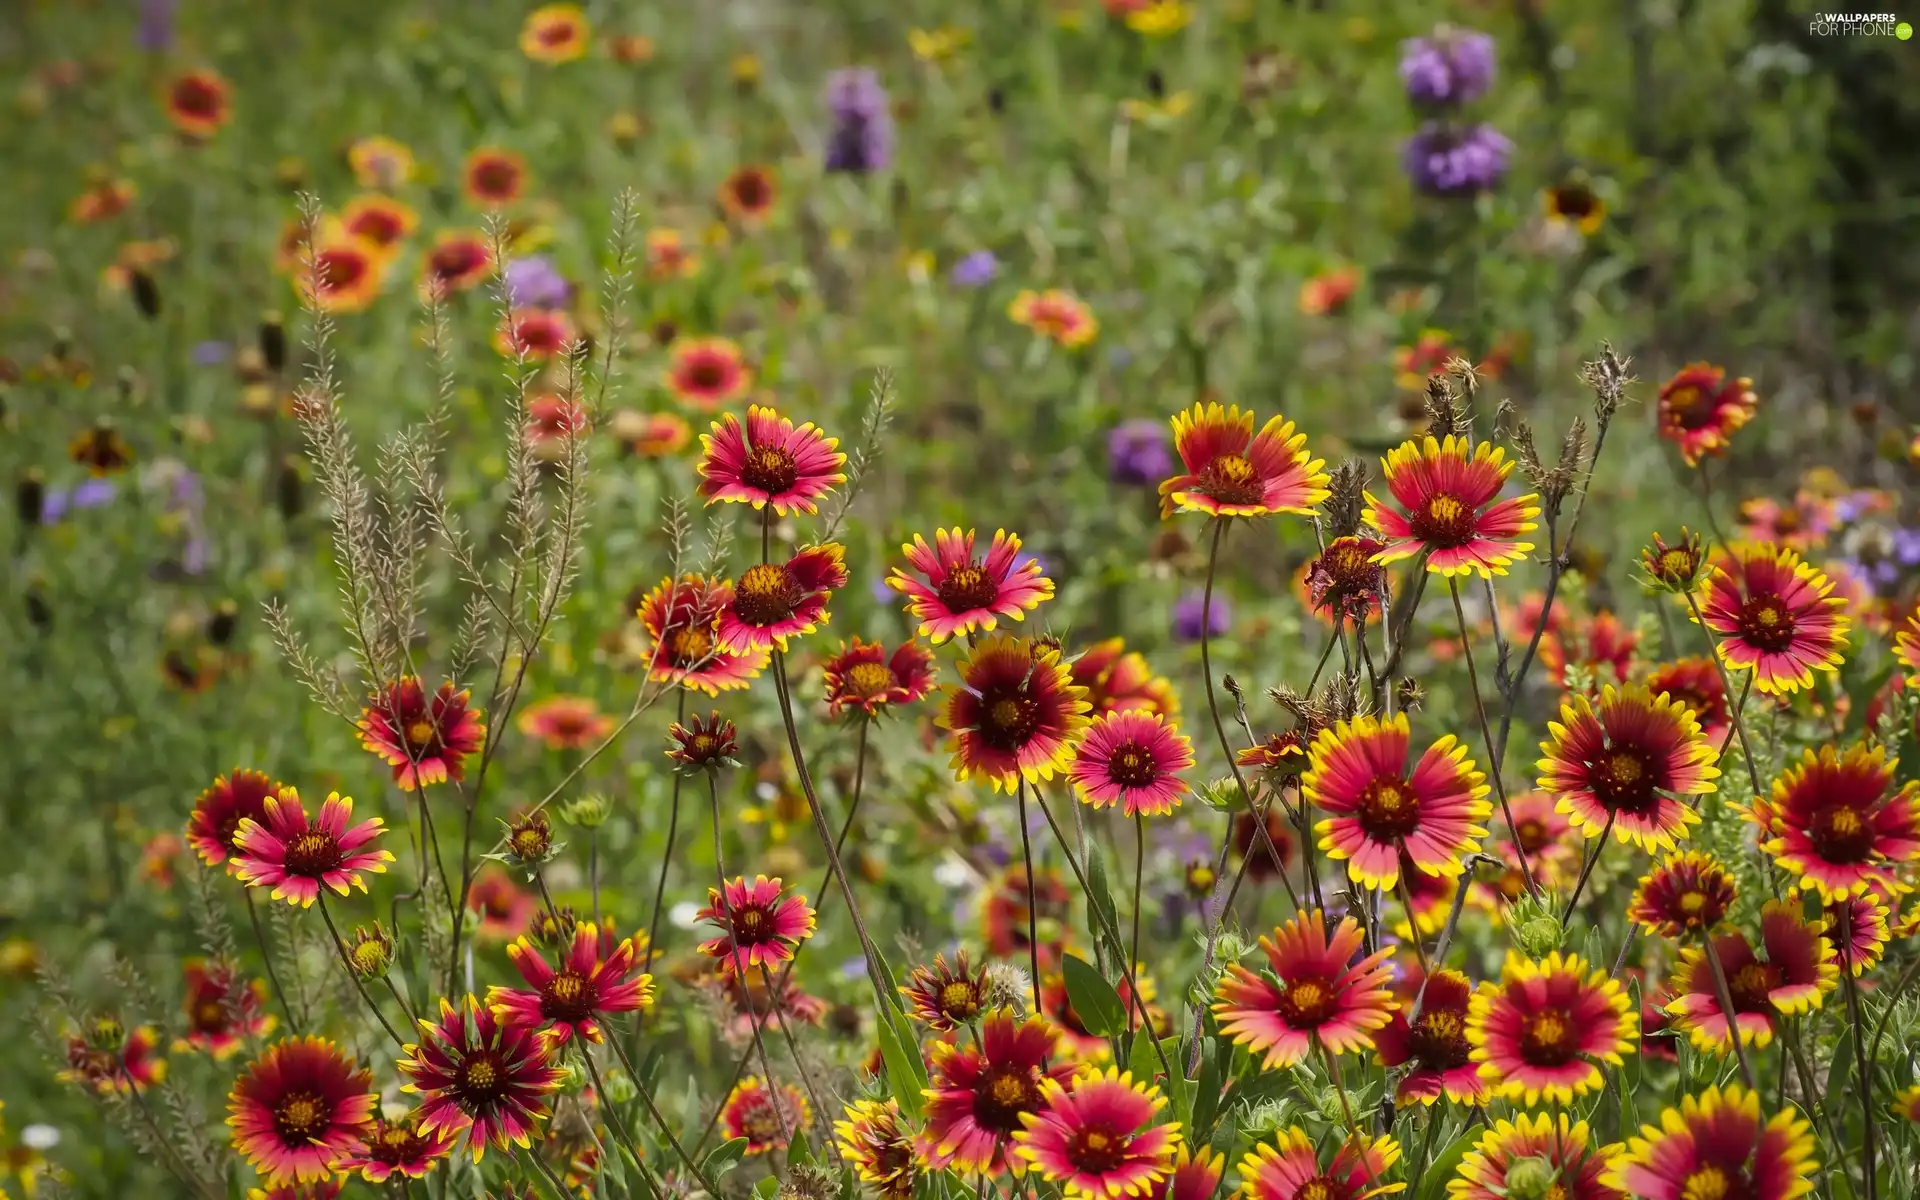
(1903, 31)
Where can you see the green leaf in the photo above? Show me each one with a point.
(1093, 998)
(723, 1158)
(1100, 894)
(767, 1188)
(905, 1075)
(798, 1151)
(1433, 1182)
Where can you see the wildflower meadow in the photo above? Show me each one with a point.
(1011, 599)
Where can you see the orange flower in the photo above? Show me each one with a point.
(537, 334)
(1328, 292)
(344, 275)
(197, 103)
(669, 256)
(494, 177)
(379, 220)
(748, 194)
(380, 162)
(631, 48)
(1057, 315)
(554, 34)
(104, 199)
(458, 261)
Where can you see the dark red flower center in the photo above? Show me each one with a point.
(226, 828)
(1574, 201)
(312, 853)
(394, 1144)
(767, 594)
(706, 373)
(1684, 405)
(210, 1015)
(1624, 780)
(1751, 987)
(568, 996)
(1444, 522)
(1307, 1003)
(764, 1122)
(338, 269)
(1547, 1038)
(480, 1082)
(751, 924)
(769, 469)
(968, 588)
(1440, 1040)
(868, 679)
(1132, 765)
(456, 259)
(1095, 1151)
(299, 1116)
(1009, 717)
(1002, 1095)
(376, 226)
(495, 177)
(1388, 810)
(1531, 835)
(556, 32)
(751, 190)
(1842, 834)
(1231, 479)
(196, 98)
(538, 333)
(1765, 621)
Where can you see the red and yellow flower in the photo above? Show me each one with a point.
(1055, 315)
(748, 195)
(494, 178)
(534, 334)
(1345, 582)
(1906, 648)
(765, 1115)
(1906, 1105)
(1686, 894)
(458, 261)
(707, 373)
(113, 1059)
(1602, 645)
(763, 925)
(1719, 1144)
(1621, 763)
(1447, 508)
(953, 591)
(384, 1148)
(1133, 759)
(297, 1107)
(1358, 772)
(565, 722)
(554, 34)
(1800, 525)
(682, 621)
(1196, 1175)
(1314, 991)
(282, 851)
(343, 274)
(775, 602)
(479, 1077)
(1862, 926)
(104, 199)
(1230, 471)
(1097, 1138)
(669, 256)
(425, 740)
(1005, 917)
(1798, 970)
(1696, 683)
(769, 462)
(1838, 820)
(218, 811)
(1289, 1168)
(504, 907)
(877, 1146)
(1775, 614)
(1542, 1031)
(1014, 715)
(379, 162)
(223, 1010)
(198, 103)
(1120, 680)
(1426, 357)
(946, 995)
(599, 976)
(1699, 409)
(979, 1094)
(1436, 1047)
(380, 221)
(1329, 291)
(863, 676)
(1577, 1164)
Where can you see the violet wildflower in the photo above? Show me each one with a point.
(156, 24)
(975, 270)
(534, 282)
(211, 353)
(1137, 452)
(1188, 613)
(1447, 67)
(89, 493)
(862, 135)
(1442, 160)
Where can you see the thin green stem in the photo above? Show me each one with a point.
(1864, 1066)
(1725, 999)
(346, 963)
(266, 956)
(1033, 914)
(666, 859)
(660, 1120)
(620, 1129)
(1494, 773)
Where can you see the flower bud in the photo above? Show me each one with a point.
(620, 1088)
(1531, 1179)
(1540, 936)
(105, 1032)
(587, 812)
(30, 497)
(221, 624)
(1676, 568)
(273, 342)
(370, 951)
(146, 292)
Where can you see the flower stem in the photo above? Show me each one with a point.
(1724, 998)
(1726, 689)
(1586, 868)
(1139, 870)
(1340, 1090)
(733, 946)
(660, 1120)
(346, 962)
(673, 828)
(1033, 908)
(266, 956)
(1486, 733)
(1865, 1066)
(620, 1121)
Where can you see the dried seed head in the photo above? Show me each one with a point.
(30, 497)
(146, 293)
(1445, 413)
(1409, 694)
(1346, 499)
(1674, 568)
(530, 839)
(809, 1181)
(1007, 987)
(1465, 374)
(1608, 376)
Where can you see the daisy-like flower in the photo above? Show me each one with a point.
(1906, 1105)
(651, 435)
(1328, 292)
(1445, 490)
(1133, 759)
(766, 1116)
(1288, 1168)
(1676, 568)
(1004, 917)
(535, 334)
(1314, 990)
(1906, 648)
(669, 256)
(775, 602)
(1230, 471)
(703, 744)
(1801, 525)
(298, 1107)
(748, 195)
(1014, 714)
(343, 274)
(1576, 1164)
(223, 1010)
(1344, 581)
(1381, 808)
(769, 462)
(1436, 1047)
(1699, 409)
(198, 104)
(384, 1149)
(1056, 315)
(1097, 1140)
(505, 908)
(218, 811)
(1196, 1175)
(283, 851)
(878, 1148)
(763, 925)
(379, 162)
(1120, 680)
(424, 739)
(682, 620)
(1602, 645)
(378, 220)
(1539, 831)
(1623, 762)
(978, 1095)
(1775, 614)
(1414, 365)
(112, 1058)
(750, 1001)
(953, 591)
(946, 995)
(1542, 1031)
(1862, 927)
(707, 373)
(1719, 1144)
(863, 677)
(1696, 683)
(1798, 970)
(104, 199)
(554, 34)
(479, 1077)
(575, 996)
(1838, 819)
(494, 177)
(565, 722)
(458, 261)
(1686, 894)
(1574, 205)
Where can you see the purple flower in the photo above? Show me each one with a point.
(156, 24)
(211, 354)
(91, 493)
(534, 282)
(1447, 67)
(975, 270)
(1187, 616)
(1447, 161)
(1906, 546)
(881, 593)
(1021, 559)
(1137, 452)
(862, 135)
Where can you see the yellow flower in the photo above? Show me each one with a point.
(746, 70)
(936, 45)
(1158, 112)
(919, 267)
(1162, 18)
(1358, 29)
